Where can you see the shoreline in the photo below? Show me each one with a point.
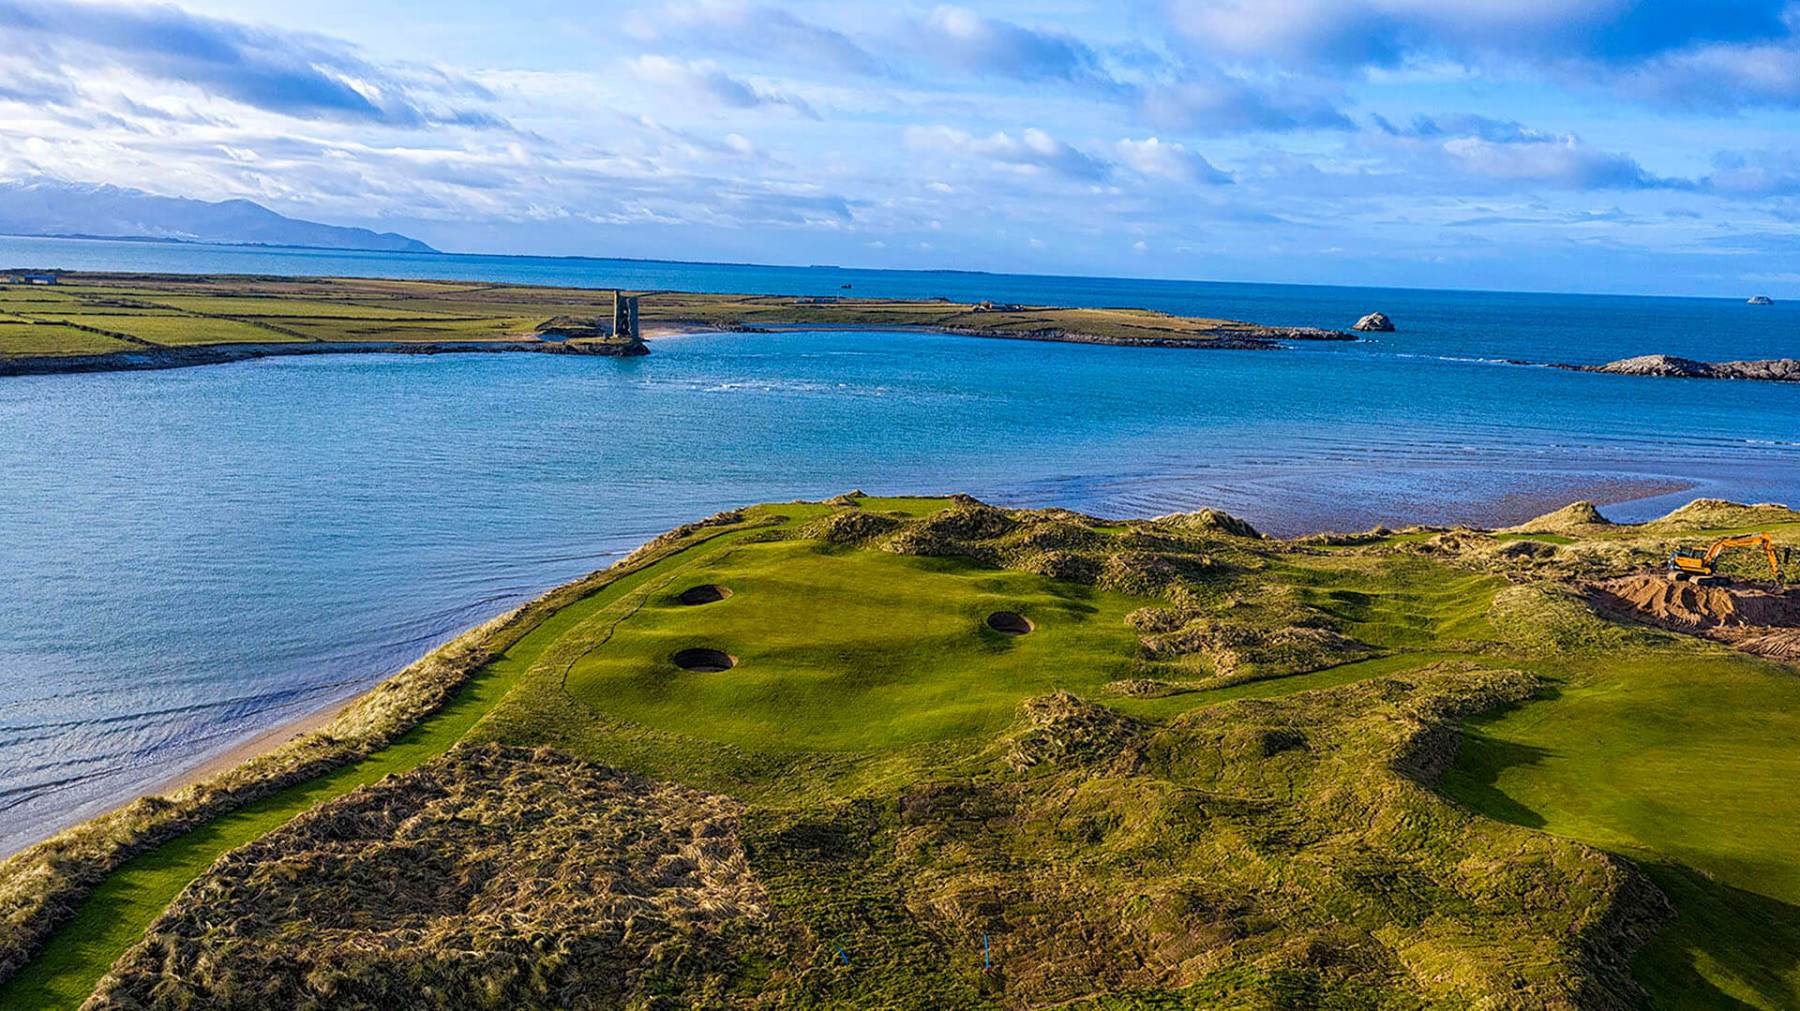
(158, 358)
(150, 359)
(256, 745)
(1254, 336)
(230, 318)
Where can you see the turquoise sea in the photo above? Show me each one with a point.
(192, 556)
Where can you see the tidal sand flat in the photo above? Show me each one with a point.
(1219, 791)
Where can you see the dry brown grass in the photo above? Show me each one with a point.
(488, 878)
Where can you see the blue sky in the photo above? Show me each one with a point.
(1594, 145)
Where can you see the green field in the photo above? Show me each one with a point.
(176, 331)
(1202, 778)
(40, 339)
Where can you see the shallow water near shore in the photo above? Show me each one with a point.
(192, 556)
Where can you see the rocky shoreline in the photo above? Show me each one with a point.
(153, 358)
(1255, 338)
(1777, 370)
(1251, 338)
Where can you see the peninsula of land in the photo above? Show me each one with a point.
(919, 752)
(58, 321)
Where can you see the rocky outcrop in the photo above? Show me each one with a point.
(1771, 369)
(1375, 322)
(1761, 300)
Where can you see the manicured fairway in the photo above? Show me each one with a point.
(1686, 760)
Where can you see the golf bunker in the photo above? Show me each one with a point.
(702, 660)
(708, 593)
(1009, 623)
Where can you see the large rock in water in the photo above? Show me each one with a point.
(1659, 365)
(1375, 322)
(1761, 300)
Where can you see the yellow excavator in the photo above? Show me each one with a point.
(1703, 563)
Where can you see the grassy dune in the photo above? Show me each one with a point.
(1207, 776)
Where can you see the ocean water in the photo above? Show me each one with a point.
(189, 557)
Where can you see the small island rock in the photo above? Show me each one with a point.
(1375, 322)
(1780, 370)
(1761, 300)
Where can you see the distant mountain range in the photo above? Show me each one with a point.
(49, 208)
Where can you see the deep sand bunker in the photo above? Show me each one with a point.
(1008, 623)
(710, 593)
(702, 660)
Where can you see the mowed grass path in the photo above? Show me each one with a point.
(1690, 765)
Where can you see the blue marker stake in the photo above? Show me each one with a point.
(987, 960)
(844, 955)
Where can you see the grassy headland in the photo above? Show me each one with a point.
(92, 321)
(964, 756)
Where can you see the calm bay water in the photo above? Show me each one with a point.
(192, 556)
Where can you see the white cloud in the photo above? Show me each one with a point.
(704, 79)
(1031, 151)
(1156, 158)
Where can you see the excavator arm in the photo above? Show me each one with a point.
(1686, 560)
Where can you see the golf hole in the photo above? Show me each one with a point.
(701, 660)
(710, 593)
(1008, 623)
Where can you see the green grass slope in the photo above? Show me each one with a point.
(1687, 764)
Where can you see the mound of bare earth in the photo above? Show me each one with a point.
(490, 877)
(1755, 620)
(1692, 607)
